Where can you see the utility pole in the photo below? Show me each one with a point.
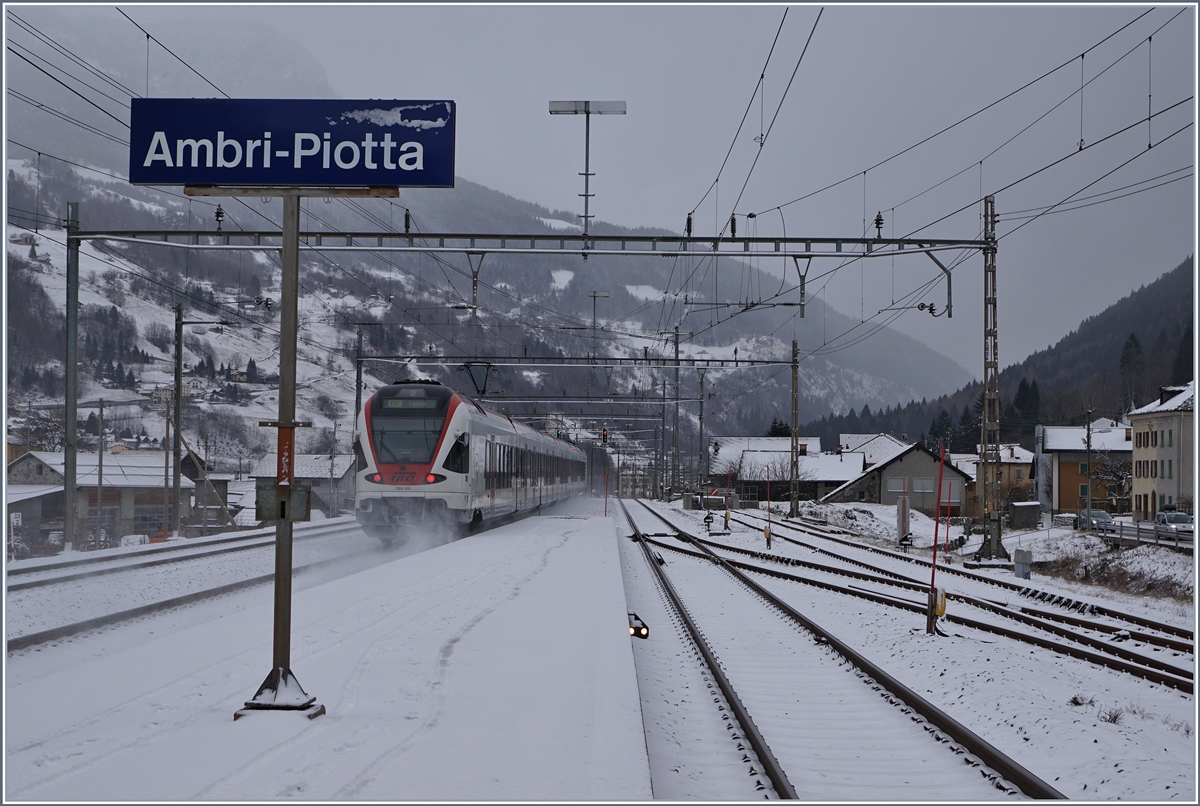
(1089, 470)
(332, 492)
(675, 436)
(587, 109)
(794, 507)
(595, 295)
(166, 471)
(665, 476)
(176, 444)
(176, 447)
(702, 453)
(100, 477)
(358, 376)
(71, 373)
(992, 548)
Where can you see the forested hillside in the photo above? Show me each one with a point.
(1112, 362)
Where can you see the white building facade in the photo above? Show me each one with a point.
(1164, 438)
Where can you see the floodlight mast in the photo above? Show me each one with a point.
(587, 109)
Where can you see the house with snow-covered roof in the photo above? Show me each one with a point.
(133, 484)
(1164, 439)
(1061, 465)
(875, 448)
(912, 471)
(753, 464)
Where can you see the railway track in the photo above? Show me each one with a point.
(178, 554)
(1076, 613)
(1106, 649)
(159, 605)
(908, 741)
(164, 554)
(833, 534)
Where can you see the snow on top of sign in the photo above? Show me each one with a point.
(396, 116)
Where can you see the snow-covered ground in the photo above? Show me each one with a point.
(499, 667)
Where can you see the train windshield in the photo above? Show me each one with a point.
(407, 420)
(405, 440)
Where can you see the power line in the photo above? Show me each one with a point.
(1051, 211)
(168, 50)
(1183, 128)
(959, 122)
(85, 126)
(757, 88)
(65, 73)
(32, 30)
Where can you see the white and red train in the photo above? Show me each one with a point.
(425, 453)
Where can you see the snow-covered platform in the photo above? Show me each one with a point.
(496, 667)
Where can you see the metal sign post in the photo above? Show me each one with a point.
(290, 149)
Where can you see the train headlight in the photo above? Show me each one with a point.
(433, 478)
(375, 477)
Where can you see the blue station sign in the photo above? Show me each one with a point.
(291, 143)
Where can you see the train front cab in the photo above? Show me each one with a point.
(401, 434)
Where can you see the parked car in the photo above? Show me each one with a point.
(1099, 520)
(1174, 523)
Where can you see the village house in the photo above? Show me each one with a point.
(910, 470)
(133, 484)
(759, 468)
(1061, 465)
(1164, 437)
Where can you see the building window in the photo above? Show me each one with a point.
(1083, 491)
(923, 485)
(1137, 441)
(897, 485)
(1162, 500)
(1083, 468)
(1170, 437)
(1153, 439)
(1018, 474)
(1162, 468)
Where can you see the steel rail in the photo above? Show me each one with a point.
(1142, 666)
(53, 634)
(1026, 781)
(45, 636)
(156, 549)
(771, 766)
(1002, 609)
(1023, 590)
(260, 541)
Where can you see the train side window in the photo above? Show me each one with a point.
(458, 457)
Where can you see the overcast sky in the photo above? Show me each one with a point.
(873, 82)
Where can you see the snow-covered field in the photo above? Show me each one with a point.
(499, 667)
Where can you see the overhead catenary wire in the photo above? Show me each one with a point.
(35, 32)
(749, 106)
(180, 59)
(963, 120)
